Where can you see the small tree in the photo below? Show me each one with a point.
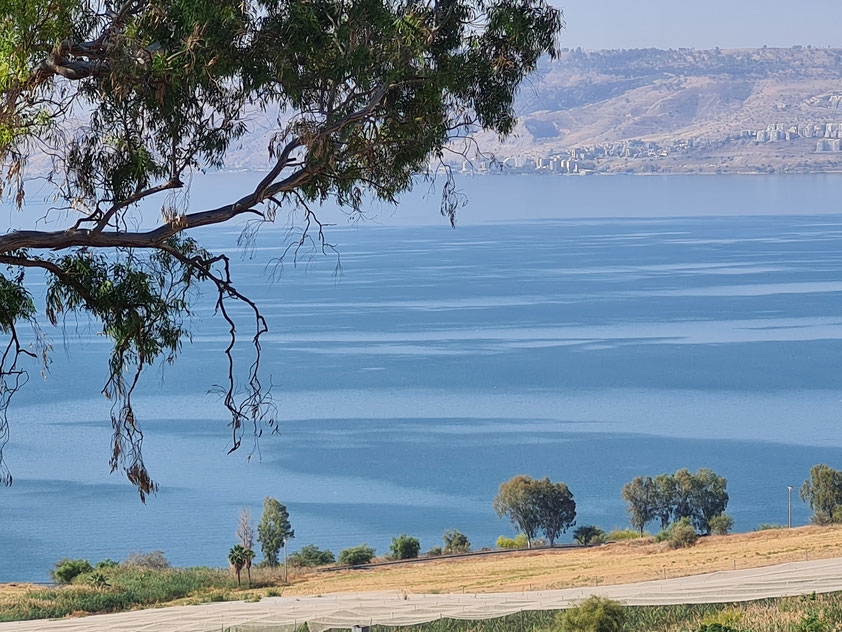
(274, 529)
(721, 524)
(589, 534)
(823, 492)
(595, 614)
(237, 559)
(154, 560)
(66, 570)
(356, 555)
(245, 530)
(404, 547)
(682, 535)
(515, 500)
(310, 555)
(555, 507)
(455, 542)
(641, 497)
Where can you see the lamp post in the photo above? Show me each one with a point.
(789, 495)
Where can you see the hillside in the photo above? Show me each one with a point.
(764, 110)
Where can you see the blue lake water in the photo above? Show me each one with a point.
(586, 329)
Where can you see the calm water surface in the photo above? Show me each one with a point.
(554, 334)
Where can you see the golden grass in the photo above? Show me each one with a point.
(624, 562)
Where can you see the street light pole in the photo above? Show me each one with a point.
(789, 494)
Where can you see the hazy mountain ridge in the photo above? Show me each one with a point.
(695, 106)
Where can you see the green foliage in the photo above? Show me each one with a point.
(106, 563)
(697, 496)
(455, 542)
(721, 524)
(370, 93)
(823, 492)
(435, 551)
(355, 555)
(536, 506)
(595, 614)
(238, 557)
(519, 542)
(589, 534)
(67, 570)
(682, 534)
(767, 526)
(273, 530)
(311, 555)
(813, 622)
(404, 547)
(625, 534)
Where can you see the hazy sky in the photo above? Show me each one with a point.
(701, 23)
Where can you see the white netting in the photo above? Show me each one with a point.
(346, 610)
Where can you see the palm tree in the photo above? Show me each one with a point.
(237, 558)
(248, 556)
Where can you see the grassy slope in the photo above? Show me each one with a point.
(612, 564)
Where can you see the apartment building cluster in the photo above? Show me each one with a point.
(829, 134)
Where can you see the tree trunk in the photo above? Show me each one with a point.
(238, 576)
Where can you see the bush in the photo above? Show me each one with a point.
(589, 534)
(768, 526)
(812, 622)
(435, 551)
(625, 534)
(404, 547)
(154, 560)
(455, 541)
(310, 555)
(355, 555)
(106, 563)
(595, 614)
(511, 544)
(67, 570)
(682, 534)
(721, 524)
(716, 627)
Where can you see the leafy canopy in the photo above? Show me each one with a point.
(118, 102)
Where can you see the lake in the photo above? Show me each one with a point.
(586, 329)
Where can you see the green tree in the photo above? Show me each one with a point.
(682, 534)
(640, 494)
(455, 542)
(515, 500)
(709, 498)
(589, 534)
(237, 559)
(355, 555)
(66, 570)
(823, 492)
(664, 495)
(556, 508)
(311, 555)
(595, 614)
(404, 547)
(362, 96)
(721, 524)
(273, 530)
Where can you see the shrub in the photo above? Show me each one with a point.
(768, 526)
(455, 541)
(404, 547)
(106, 563)
(589, 534)
(435, 551)
(595, 614)
(355, 555)
(310, 555)
(154, 560)
(812, 622)
(716, 627)
(682, 534)
(625, 534)
(67, 570)
(520, 542)
(721, 524)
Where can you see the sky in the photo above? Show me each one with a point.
(595, 24)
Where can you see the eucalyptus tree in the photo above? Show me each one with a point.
(118, 102)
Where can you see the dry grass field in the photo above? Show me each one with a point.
(624, 562)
